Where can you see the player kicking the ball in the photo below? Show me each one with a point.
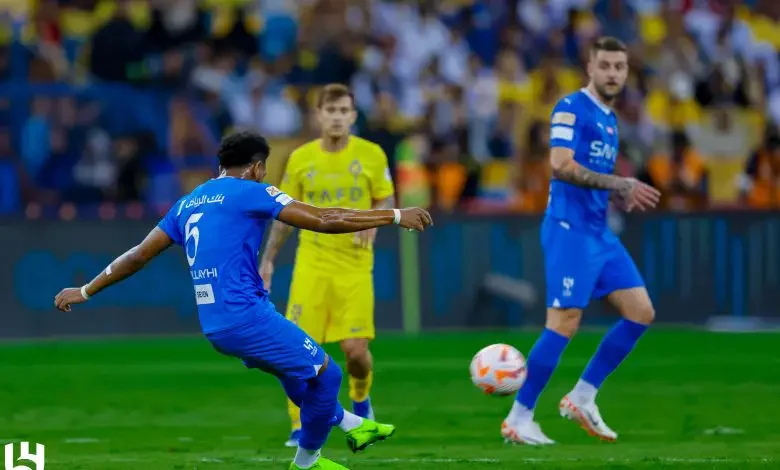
(583, 258)
(332, 290)
(220, 225)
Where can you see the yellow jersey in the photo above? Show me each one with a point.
(353, 178)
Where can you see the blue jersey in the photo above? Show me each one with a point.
(588, 127)
(220, 226)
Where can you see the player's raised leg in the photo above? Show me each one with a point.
(277, 346)
(360, 432)
(318, 408)
(307, 307)
(623, 287)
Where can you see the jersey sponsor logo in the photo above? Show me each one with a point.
(181, 206)
(336, 195)
(562, 133)
(564, 118)
(204, 199)
(204, 294)
(284, 199)
(599, 149)
(273, 191)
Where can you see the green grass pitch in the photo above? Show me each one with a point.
(684, 399)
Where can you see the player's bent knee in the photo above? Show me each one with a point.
(563, 321)
(644, 314)
(332, 375)
(356, 350)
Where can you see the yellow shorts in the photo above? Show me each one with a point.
(332, 307)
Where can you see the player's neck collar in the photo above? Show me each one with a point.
(602, 106)
(337, 152)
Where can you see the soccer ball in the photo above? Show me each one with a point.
(498, 369)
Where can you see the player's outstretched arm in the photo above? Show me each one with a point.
(121, 268)
(631, 192)
(338, 220)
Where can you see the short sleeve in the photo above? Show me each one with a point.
(170, 222)
(381, 178)
(262, 200)
(565, 125)
(291, 180)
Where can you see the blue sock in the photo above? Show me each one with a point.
(320, 406)
(614, 347)
(362, 408)
(542, 361)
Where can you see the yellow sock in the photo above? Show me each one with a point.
(359, 388)
(295, 415)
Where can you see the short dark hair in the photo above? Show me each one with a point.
(609, 44)
(333, 92)
(242, 148)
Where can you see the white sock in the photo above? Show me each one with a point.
(305, 458)
(520, 413)
(584, 392)
(350, 421)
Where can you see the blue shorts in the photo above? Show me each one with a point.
(580, 266)
(273, 344)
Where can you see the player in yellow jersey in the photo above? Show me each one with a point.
(332, 290)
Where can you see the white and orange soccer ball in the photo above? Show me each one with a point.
(498, 369)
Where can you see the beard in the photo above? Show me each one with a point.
(608, 92)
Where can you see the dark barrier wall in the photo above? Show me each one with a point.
(41, 258)
(695, 267)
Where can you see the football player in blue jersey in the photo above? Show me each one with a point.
(584, 259)
(220, 225)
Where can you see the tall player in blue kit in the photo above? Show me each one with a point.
(220, 225)
(584, 259)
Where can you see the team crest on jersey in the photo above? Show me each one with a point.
(568, 283)
(610, 130)
(564, 118)
(273, 191)
(310, 174)
(355, 168)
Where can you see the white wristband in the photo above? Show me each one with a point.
(84, 292)
(396, 216)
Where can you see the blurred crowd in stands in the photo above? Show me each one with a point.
(125, 101)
